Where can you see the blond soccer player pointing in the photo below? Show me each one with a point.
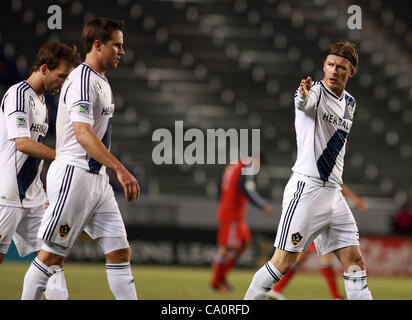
(313, 207)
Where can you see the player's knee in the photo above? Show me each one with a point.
(1, 257)
(283, 260)
(358, 260)
(351, 258)
(119, 256)
(354, 262)
(50, 259)
(285, 267)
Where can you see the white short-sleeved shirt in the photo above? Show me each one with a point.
(322, 123)
(22, 114)
(86, 96)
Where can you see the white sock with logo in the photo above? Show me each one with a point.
(356, 286)
(262, 282)
(35, 280)
(121, 282)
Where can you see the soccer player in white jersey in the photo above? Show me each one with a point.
(23, 126)
(79, 192)
(313, 206)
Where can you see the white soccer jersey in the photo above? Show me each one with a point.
(86, 97)
(322, 123)
(22, 114)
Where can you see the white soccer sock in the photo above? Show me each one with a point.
(356, 286)
(56, 288)
(121, 282)
(35, 280)
(262, 282)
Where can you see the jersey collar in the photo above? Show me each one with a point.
(94, 71)
(42, 99)
(331, 93)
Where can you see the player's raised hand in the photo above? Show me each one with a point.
(305, 86)
(130, 185)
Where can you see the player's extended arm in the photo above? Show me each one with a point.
(305, 99)
(359, 202)
(34, 148)
(92, 144)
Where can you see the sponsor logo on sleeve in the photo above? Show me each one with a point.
(108, 111)
(21, 122)
(37, 127)
(84, 109)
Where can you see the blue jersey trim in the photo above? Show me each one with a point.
(28, 173)
(61, 201)
(84, 85)
(21, 89)
(327, 160)
(289, 215)
(3, 101)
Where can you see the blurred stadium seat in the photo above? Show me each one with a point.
(235, 64)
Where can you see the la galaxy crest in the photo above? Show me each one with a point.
(33, 105)
(99, 87)
(350, 107)
(296, 238)
(64, 230)
(31, 102)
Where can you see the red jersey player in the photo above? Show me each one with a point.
(233, 237)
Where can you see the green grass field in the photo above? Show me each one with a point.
(88, 281)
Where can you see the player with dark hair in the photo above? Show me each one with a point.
(78, 187)
(100, 29)
(313, 207)
(234, 237)
(52, 55)
(24, 125)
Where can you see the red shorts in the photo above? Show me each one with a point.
(233, 233)
(311, 248)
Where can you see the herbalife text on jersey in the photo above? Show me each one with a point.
(202, 150)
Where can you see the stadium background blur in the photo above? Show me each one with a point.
(236, 64)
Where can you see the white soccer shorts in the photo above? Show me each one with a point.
(313, 212)
(21, 225)
(80, 201)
